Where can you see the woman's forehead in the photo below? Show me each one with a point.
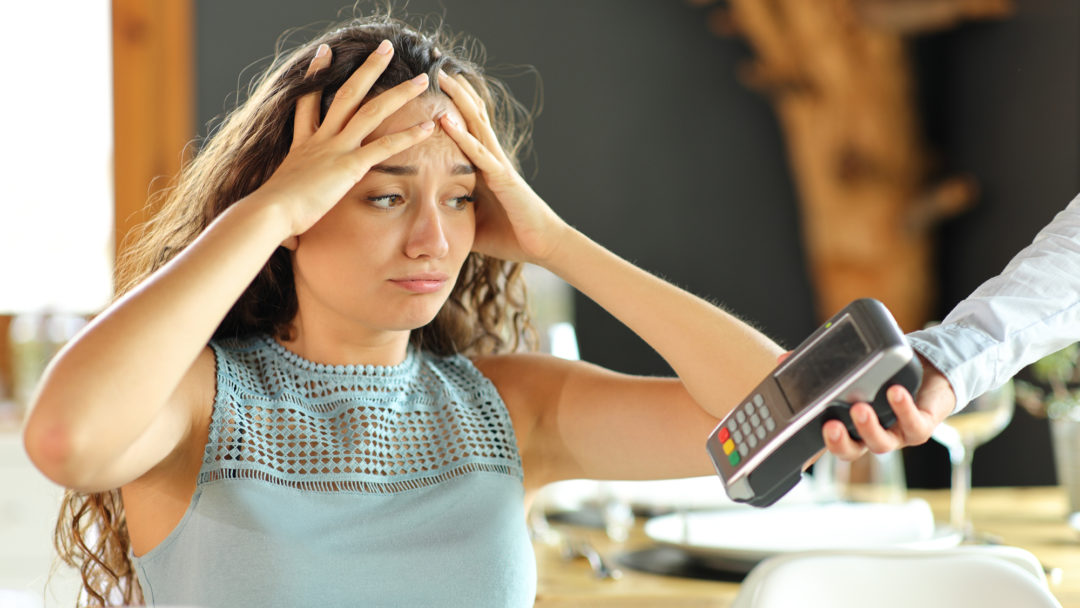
(440, 147)
(438, 152)
(416, 111)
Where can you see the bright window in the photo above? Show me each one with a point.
(56, 190)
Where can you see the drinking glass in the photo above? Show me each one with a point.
(870, 478)
(979, 422)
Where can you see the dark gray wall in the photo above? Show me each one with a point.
(1002, 102)
(648, 144)
(645, 142)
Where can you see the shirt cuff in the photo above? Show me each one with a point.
(959, 352)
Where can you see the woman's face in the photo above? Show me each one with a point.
(386, 257)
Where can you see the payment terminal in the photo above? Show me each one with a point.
(760, 447)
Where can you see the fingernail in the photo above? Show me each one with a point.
(450, 120)
(427, 125)
(322, 50)
(896, 393)
(443, 74)
(834, 433)
(420, 80)
(384, 48)
(859, 416)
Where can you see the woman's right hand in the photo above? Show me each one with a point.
(327, 159)
(105, 414)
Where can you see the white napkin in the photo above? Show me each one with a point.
(758, 533)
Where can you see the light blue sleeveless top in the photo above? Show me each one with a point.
(349, 486)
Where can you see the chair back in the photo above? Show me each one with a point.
(984, 576)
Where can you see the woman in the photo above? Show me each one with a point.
(309, 392)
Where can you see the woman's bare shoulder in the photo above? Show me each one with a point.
(527, 382)
(201, 385)
(515, 372)
(192, 405)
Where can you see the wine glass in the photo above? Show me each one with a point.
(979, 422)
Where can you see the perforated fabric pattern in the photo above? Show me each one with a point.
(285, 420)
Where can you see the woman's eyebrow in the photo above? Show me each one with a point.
(457, 169)
(396, 169)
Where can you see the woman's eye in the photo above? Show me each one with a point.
(461, 202)
(386, 201)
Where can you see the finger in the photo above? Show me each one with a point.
(783, 357)
(306, 120)
(911, 421)
(455, 88)
(369, 116)
(472, 108)
(480, 108)
(839, 442)
(473, 95)
(936, 396)
(873, 435)
(351, 94)
(478, 153)
(378, 150)
(461, 97)
(810, 461)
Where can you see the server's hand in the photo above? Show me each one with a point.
(915, 418)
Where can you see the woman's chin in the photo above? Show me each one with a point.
(416, 320)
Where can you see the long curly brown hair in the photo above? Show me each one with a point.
(485, 313)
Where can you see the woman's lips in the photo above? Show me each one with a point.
(421, 283)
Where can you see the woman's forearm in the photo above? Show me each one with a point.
(106, 386)
(718, 357)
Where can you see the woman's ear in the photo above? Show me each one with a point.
(291, 242)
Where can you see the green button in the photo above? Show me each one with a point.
(733, 458)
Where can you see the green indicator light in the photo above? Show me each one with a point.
(828, 325)
(733, 458)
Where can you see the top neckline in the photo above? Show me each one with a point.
(400, 369)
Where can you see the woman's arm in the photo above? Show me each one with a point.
(718, 358)
(122, 374)
(124, 392)
(576, 419)
(715, 354)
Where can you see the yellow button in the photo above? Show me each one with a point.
(729, 446)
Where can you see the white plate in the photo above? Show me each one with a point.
(1074, 521)
(691, 493)
(744, 534)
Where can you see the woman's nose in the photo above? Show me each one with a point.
(427, 238)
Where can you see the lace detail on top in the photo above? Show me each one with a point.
(283, 419)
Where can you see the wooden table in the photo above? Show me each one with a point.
(1031, 518)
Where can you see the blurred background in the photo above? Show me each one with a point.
(654, 140)
(774, 157)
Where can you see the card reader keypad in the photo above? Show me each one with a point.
(747, 428)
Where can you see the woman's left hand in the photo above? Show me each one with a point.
(512, 222)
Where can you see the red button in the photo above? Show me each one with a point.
(723, 434)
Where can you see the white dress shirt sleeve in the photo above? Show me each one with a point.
(1028, 311)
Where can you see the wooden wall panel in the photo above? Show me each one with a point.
(840, 76)
(153, 106)
(153, 87)
(6, 370)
